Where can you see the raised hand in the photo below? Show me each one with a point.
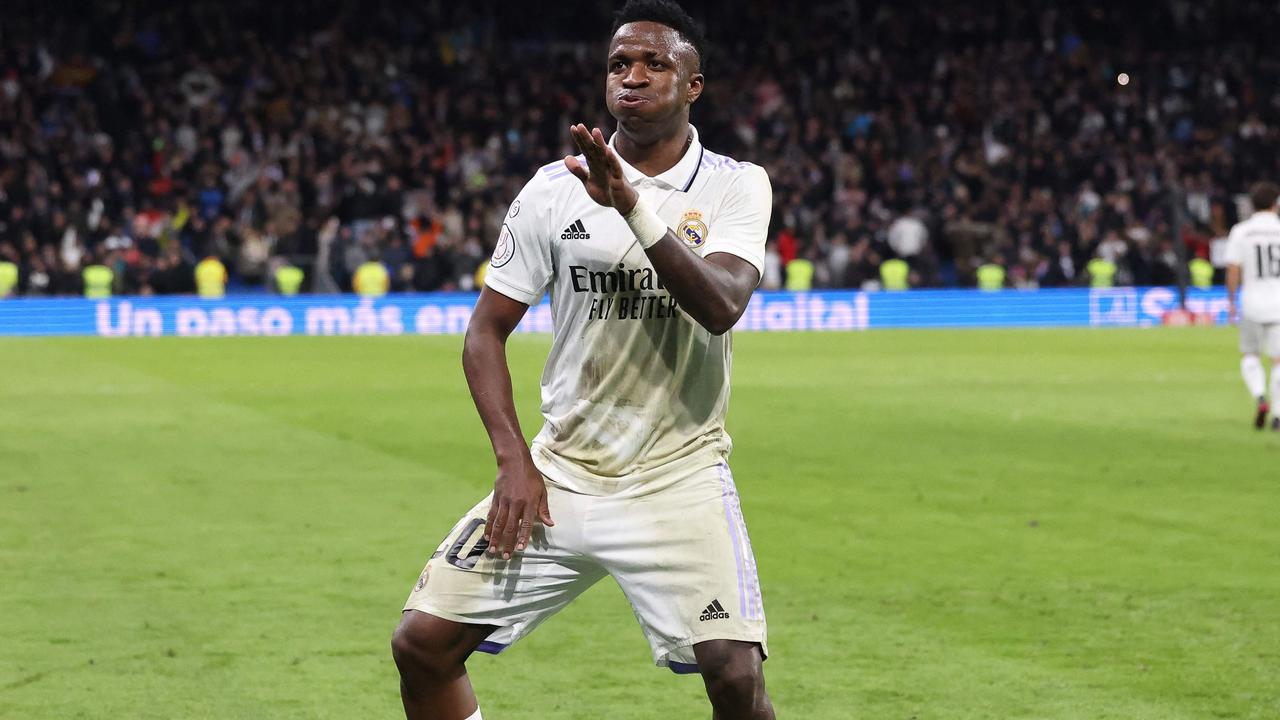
(602, 177)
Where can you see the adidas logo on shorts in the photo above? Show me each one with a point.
(576, 231)
(714, 611)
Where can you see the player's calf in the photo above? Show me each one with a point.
(734, 678)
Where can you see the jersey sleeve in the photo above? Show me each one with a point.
(742, 226)
(1235, 248)
(521, 264)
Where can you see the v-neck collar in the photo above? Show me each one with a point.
(679, 177)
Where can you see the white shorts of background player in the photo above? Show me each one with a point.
(1260, 338)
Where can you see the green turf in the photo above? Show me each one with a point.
(1010, 524)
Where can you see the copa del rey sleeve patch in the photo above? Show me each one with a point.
(505, 249)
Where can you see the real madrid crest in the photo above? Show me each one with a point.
(692, 230)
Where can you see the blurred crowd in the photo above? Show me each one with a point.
(147, 137)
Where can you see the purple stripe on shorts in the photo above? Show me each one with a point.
(680, 668)
(493, 648)
(726, 489)
(753, 573)
(755, 603)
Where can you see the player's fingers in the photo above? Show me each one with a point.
(526, 527)
(576, 168)
(593, 162)
(611, 157)
(600, 145)
(582, 138)
(588, 145)
(488, 521)
(544, 511)
(500, 527)
(495, 525)
(598, 139)
(510, 526)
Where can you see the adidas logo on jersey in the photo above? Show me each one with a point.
(576, 231)
(714, 611)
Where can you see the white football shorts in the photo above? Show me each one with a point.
(679, 552)
(1257, 338)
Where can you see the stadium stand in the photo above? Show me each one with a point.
(147, 136)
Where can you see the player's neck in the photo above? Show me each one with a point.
(658, 156)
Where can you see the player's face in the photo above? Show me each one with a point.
(652, 78)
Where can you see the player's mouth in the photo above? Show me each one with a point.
(632, 100)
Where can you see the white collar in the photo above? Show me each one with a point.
(679, 177)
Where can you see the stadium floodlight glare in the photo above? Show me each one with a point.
(1123, 78)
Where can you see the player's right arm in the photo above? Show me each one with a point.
(1235, 258)
(519, 273)
(519, 495)
(1233, 283)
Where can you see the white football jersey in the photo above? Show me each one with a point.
(1254, 245)
(632, 385)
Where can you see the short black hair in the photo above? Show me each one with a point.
(664, 12)
(1263, 195)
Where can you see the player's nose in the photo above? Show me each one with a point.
(636, 77)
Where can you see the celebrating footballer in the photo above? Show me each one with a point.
(650, 246)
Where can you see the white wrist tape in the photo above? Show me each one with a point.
(645, 225)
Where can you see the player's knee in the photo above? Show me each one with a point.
(420, 647)
(406, 646)
(734, 678)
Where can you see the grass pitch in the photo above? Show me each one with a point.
(1007, 524)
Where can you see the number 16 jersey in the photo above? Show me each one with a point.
(1254, 245)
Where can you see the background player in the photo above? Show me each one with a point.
(1253, 262)
(631, 462)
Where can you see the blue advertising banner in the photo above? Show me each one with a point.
(448, 313)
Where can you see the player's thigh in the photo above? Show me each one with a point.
(462, 583)
(1251, 337)
(683, 558)
(1271, 341)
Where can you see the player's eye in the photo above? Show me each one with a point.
(616, 65)
(655, 65)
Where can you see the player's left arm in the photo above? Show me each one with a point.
(713, 290)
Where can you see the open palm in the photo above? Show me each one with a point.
(602, 176)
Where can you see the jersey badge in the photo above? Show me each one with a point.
(505, 249)
(692, 230)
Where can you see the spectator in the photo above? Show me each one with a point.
(908, 235)
(238, 129)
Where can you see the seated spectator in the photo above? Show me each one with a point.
(237, 129)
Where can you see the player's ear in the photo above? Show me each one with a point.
(695, 87)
